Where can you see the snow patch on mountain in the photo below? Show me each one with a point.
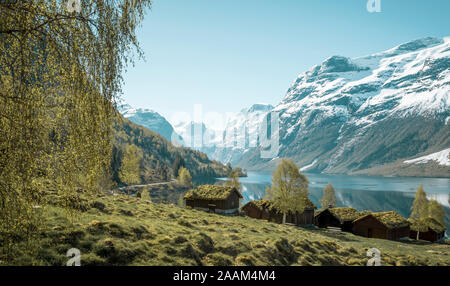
(241, 130)
(307, 167)
(442, 158)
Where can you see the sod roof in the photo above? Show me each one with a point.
(428, 224)
(344, 213)
(390, 219)
(268, 204)
(210, 192)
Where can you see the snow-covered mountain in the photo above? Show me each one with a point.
(241, 133)
(227, 144)
(149, 119)
(197, 135)
(358, 115)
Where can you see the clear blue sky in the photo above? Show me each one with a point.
(230, 54)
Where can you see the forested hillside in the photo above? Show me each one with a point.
(159, 159)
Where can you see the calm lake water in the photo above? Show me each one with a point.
(361, 192)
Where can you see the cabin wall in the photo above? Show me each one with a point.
(370, 227)
(231, 202)
(205, 203)
(325, 219)
(305, 218)
(428, 236)
(398, 233)
(252, 211)
(347, 226)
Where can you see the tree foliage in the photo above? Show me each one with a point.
(160, 156)
(60, 76)
(329, 197)
(131, 166)
(419, 208)
(436, 211)
(289, 188)
(177, 164)
(145, 195)
(233, 181)
(184, 177)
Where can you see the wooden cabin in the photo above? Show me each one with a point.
(431, 230)
(342, 218)
(386, 225)
(215, 199)
(264, 209)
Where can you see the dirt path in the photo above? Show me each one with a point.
(142, 186)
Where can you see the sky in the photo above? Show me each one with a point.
(227, 55)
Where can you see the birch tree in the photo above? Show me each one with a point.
(233, 181)
(184, 177)
(131, 165)
(289, 188)
(419, 209)
(436, 211)
(60, 78)
(328, 197)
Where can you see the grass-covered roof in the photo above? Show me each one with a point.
(268, 204)
(428, 224)
(390, 219)
(210, 192)
(344, 213)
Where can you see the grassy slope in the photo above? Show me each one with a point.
(123, 230)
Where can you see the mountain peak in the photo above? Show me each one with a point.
(339, 64)
(147, 118)
(419, 44)
(259, 107)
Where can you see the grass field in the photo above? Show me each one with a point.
(124, 230)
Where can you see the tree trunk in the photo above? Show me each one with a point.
(284, 218)
(417, 237)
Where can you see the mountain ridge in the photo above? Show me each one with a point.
(349, 115)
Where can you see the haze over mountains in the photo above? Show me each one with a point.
(374, 114)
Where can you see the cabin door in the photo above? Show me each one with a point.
(369, 232)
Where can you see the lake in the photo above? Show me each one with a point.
(361, 192)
